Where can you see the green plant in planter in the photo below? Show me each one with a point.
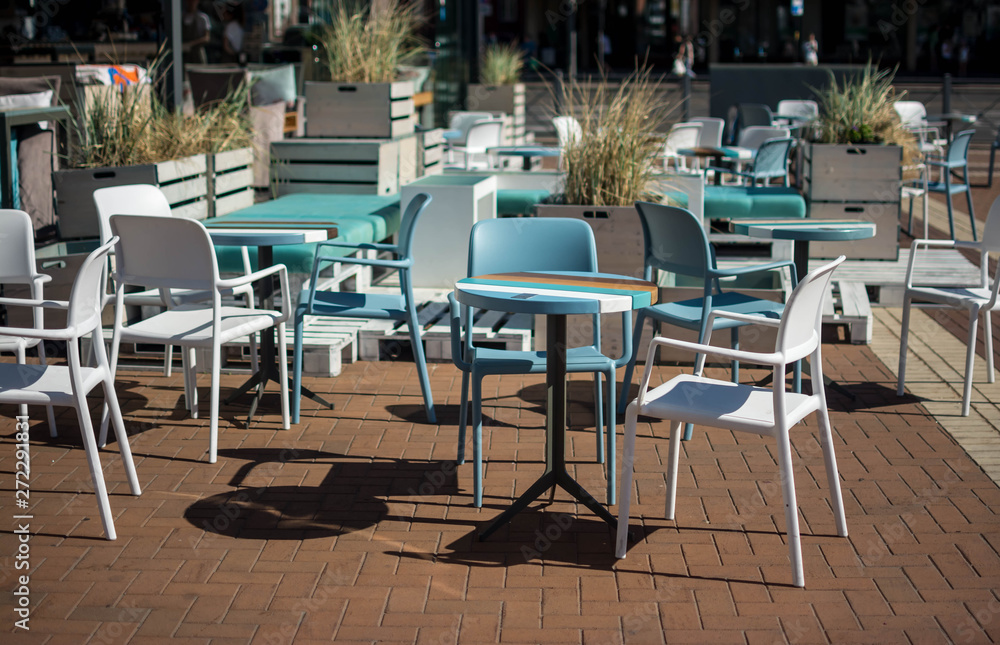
(501, 64)
(612, 162)
(365, 43)
(859, 110)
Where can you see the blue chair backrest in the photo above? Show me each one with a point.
(675, 240)
(531, 244)
(406, 227)
(958, 150)
(772, 158)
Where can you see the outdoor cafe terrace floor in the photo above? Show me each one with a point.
(357, 525)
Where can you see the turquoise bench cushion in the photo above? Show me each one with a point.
(359, 218)
(732, 202)
(522, 201)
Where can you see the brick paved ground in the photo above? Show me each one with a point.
(356, 525)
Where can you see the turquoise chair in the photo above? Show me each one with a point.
(955, 158)
(530, 244)
(770, 162)
(675, 242)
(343, 304)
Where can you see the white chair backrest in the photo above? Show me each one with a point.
(17, 247)
(134, 199)
(682, 135)
(86, 297)
(799, 332)
(751, 137)
(164, 252)
(797, 107)
(567, 129)
(912, 114)
(711, 131)
(991, 232)
(462, 121)
(483, 135)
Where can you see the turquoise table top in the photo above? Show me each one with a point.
(449, 180)
(563, 292)
(817, 230)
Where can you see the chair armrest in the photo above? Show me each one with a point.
(751, 319)
(374, 262)
(945, 164)
(457, 349)
(758, 268)
(239, 281)
(366, 246)
(944, 244)
(42, 334)
(27, 302)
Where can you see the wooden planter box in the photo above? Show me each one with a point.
(855, 182)
(230, 181)
(506, 99)
(376, 110)
(345, 166)
(183, 181)
(430, 152)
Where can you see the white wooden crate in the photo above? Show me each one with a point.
(846, 303)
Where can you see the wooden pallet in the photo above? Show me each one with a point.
(846, 303)
(388, 339)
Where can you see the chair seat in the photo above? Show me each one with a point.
(383, 306)
(687, 313)
(191, 325)
(705, 401)
(487, 360)
(953, 295)
(42, 384)
(941, 187)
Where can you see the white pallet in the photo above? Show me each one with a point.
(846, 303)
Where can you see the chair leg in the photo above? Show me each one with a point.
(192, 376)
(628, 460)
(791, 507)
(904, 334)
(213, 432)
(672, 460)
(611, 439)
(22, 409)
(951, 217)
(283, 374)
(968, 199)
(297, 365)
(418, 355)
(599, 417)
(832, 474)
(122, 436)
(988, 331)
(477, 440)
(463, 418)
(734, 342)
(640, 318)
(909, 223)
(49, 411)
(168, 360)
(989, 177)
(970, 359)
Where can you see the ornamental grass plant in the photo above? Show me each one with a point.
(612, 162)
(365, 43)
(502, 64)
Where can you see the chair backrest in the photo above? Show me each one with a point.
(567, 129)
(711, 130)
(462, 121)
(483, 135)
(799, 331)
(164, 252)
(409, 223)
(958, 149)
(912, 114)
(133, 199)
(86, 297)
(674, 239)
(755, 135)
(772, 158)
(991, 232)
(798, 107)
(682, 135)
(212, 84)
(531, 244)
(17, 247)
(750, 114)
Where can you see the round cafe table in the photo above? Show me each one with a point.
(527, 153)
(556, 295)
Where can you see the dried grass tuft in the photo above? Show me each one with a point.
(502, 64)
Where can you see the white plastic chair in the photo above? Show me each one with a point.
(711, 131)
(168, 253)
(567, 129)
(681, 135)
(745, 408)
(978, 299)
(68, 385)
(913, 116)
(459, 125)
(751, 137)
(144, 199)
(797, 108)
(17, 266)
(482, 136)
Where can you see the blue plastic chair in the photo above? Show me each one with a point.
(955, 158)
(367, 305)
(676, 242)
(770, 162)
(530, 244)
